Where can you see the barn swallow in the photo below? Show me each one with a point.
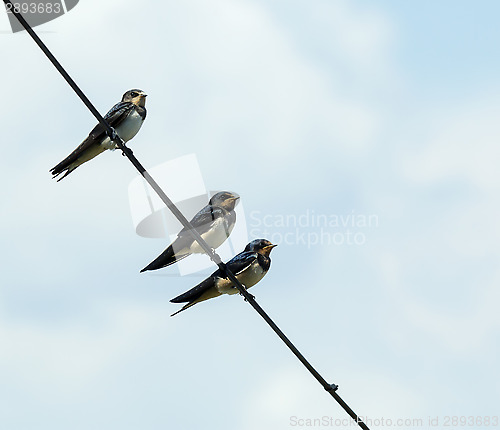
(249, 267)
(214, 223)
(126, 117)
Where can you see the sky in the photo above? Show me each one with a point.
(362, 137)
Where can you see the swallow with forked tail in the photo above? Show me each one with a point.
(249, 267)
(126, 117)
(214, 223)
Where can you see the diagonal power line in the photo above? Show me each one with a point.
(330, 388)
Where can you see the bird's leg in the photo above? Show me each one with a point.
(251, 295)
(113, 136)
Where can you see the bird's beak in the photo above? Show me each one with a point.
(233, 199)
(144, 95)
(270, 247)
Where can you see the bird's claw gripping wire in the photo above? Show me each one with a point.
(126, 151)
(113, 135)
(250, 295)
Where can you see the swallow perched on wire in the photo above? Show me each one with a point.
(249, 267)
(126, 117)
(214, 223)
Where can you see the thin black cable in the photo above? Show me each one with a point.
(330, 388)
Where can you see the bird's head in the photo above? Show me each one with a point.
(262, 246)
(224, 199)
(137, 97)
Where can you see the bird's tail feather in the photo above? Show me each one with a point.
(166, 258)
(66, 173)
(203, 291)
(65, 164)
(186, 306)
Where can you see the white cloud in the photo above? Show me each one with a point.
(56, 363)
(464, 146)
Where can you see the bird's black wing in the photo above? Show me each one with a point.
(237, 264)
(205, 219)
(240, 262)
(195, 292)
(114, 117)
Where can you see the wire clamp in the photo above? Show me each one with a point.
(332, 387)
(251, 296)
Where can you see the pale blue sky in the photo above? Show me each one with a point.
(336, 107)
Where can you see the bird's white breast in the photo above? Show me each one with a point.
(126, 130)
(215, 237)
(248, 278)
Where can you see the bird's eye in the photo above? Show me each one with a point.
(134, 94)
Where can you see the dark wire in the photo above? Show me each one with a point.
(330, 388)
